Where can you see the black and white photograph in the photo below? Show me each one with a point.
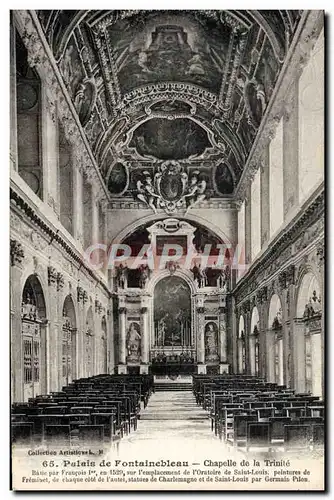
(167, 250)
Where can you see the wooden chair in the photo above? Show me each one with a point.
(258, 435)
(21, 433)
(57, 434)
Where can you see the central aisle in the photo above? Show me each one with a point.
(172, 426)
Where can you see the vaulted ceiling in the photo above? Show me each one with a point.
(151, 86)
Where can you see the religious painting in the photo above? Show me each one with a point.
(118, 179)
(71, 68)
(211, 341)
(170, 139)
(186, 47)
(133, 342)
(223, 179)
(172, 312)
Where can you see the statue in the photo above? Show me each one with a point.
(316, 303)
(121, 276)
(313, 307)
(199, 275)
(146, 191)
(133, 342)
(277, 323)
(211, 341)
(144, 275)
(196, 190)
(28, 309)
(202, 279)
(222, 281)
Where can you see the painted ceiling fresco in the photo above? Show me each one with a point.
(188, 86)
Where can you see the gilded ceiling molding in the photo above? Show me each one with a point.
(41, 57)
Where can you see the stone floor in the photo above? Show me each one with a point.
(172, 425)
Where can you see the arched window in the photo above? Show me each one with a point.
(241, 346)
(33, 314)
(308, 336)
(104, 349)
(275, 365)
(28, 108)
(69, 342)
(254, 342)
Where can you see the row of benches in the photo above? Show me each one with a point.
(92, 411)
(250, 413)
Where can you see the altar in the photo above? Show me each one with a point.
(175, 323)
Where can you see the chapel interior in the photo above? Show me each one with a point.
(202, 130)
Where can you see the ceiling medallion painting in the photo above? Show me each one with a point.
(169, 139)
(190, 86)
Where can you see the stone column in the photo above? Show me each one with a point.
(50, 152)
(77, 204)
(223, 366)
(201, 367)
(270, 355)
(248, 226)
(233, 356)
(95, 216)
(263, 310)
(299, 355)
(290, 150)
(98, 355)
(122, 335)
(82, 298)
(17, 262)
(320, 253)
(265, 196)
(110, 337)
(247, 323)
(13, 119)
(145, 336)
(55, 367)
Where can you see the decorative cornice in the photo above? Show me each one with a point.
(82, 295)
(214, 203)
(98, 306)
(169, 91)
(281, 249)
(54, 235)
(16, 252)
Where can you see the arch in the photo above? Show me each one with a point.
(255, 319)
(69, 341)
(241, 346)
(274, 307)
(308, 335)
(33, 293)
(34, 338)
(128, 230)
(69, 310)
(34, 269)
(274, 342)
(241, 326)
(308, 285)
(254, 342)
(103, 368)
(186, 275)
